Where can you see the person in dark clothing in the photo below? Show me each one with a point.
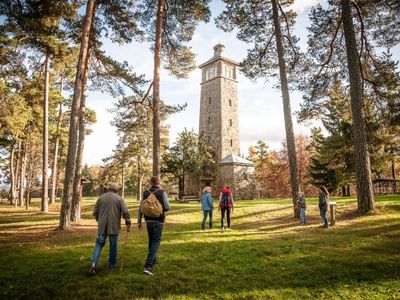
(323, 204)
(301, 203)
(226, 205)
(108, 211)
(154, 225)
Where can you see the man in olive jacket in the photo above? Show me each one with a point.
(108, 211)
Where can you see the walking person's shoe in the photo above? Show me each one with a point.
(92, 270)
(148, 271)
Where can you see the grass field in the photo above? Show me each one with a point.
(265, 255)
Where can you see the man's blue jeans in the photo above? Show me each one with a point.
(112, 254)
(205, 213)
(324, 218)
(303, 216)
(154, 231)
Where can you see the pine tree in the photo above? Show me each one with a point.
(261, 23)
(347, 31)
(170, 25)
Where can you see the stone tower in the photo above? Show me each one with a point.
(219, 119)
(219, 123)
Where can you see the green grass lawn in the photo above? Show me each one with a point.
(265, 255)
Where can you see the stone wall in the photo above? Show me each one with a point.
(240, 179)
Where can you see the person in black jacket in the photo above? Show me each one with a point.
(323, 204)
(154, 225)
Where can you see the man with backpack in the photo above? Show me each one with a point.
(153, 206)
(225, 205)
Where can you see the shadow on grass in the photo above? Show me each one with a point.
(200, 270)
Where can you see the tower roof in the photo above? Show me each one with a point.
(233, 159)
(218, 49)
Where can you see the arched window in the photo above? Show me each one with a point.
(231, 143)
(209, 119)
(209, 100)
(230, 122)
(230, 102)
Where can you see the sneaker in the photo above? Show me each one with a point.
(92, 271)
(148, 271)
(222, 228)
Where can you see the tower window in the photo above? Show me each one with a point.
(209, 100)
(230, 122)
(209, 119)
(228, 71)
(211, 73)
(231, 143)
(230, 102)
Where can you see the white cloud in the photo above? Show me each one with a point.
(300, 5)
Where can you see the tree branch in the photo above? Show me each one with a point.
(287, 28)
(328, 60)
(145, 95)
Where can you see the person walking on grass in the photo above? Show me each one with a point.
(108, 211)
(301, 203)
(323, 204)
(226, 206)
(153, 199)
(207, 206)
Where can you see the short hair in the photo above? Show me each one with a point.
(207, 189)
(227, 187)
(155, 180)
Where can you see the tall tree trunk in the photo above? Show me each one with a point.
(291, 148)
(344, 192)
(22, 176)
(365, 194)
(139, 180)
(45, 167)
(54, 172)
(77, 189)
(17, 173)
(65, 213)
(12, 174)
(123, 180)
(156, 92)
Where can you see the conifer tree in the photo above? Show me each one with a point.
(263, 24)
(348, 31)
(170, 25)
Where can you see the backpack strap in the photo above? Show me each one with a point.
(154, 191)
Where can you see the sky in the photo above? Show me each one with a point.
(260, 105)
